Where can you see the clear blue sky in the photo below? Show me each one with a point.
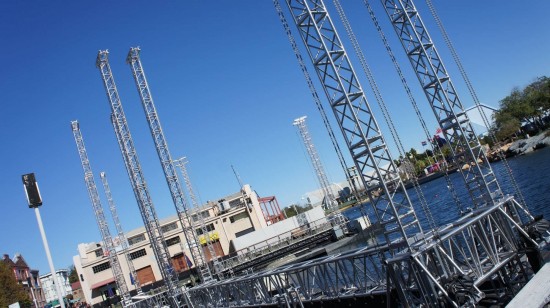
(227, 88)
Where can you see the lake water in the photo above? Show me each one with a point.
(531, 172)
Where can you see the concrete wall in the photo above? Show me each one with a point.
(274, 230)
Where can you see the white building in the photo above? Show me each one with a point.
(238, 214)
(48, 284)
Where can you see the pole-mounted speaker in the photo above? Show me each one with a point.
(31, 190)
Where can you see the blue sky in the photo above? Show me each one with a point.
(227, 88)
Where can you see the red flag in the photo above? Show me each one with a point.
(438, 130)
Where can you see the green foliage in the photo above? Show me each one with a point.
(295, 209)
(73, 275)
(527, 106)
(10, 291)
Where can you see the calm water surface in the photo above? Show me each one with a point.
(531, 172)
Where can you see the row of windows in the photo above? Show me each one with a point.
(196, 217)
(169, 227)
(235, 203)
(138, 254)
(239, 216)
(136, 239)
(209, 227)
(173, 241)
(99, 252)
(101, 267)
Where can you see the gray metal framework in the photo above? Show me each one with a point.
(441, 94)
(393, 208)
(176, 191)
(109, 250)
(139, 185)
(458, 258)
(331, 205)
(449, 266)
(120, 231)
(180, 163)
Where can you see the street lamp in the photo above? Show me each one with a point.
(35, 201)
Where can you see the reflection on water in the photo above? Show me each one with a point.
(531, 172)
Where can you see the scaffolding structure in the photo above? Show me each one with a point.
(120, 233)
(180, 163)
(139, 185)
(109, 248)
(482, 253)
(176, 190)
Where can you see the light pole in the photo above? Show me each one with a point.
(35, 201)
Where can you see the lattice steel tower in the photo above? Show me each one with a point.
(393, 208)
(180, 163)
(100, 217)
(330, 201)
(139, 185)
(120, 231)
(170, 174)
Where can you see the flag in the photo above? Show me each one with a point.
(424, 143)
(132, 279)
(438, 130)
(188, 261)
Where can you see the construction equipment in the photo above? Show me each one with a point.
(109, 248)
(139, 185)
(180, 163)
(120, 232)
(170, 174)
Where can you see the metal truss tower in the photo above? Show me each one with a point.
(330, 200)
(368, 148)
(139, 185)
(170, 173)
(109, 250)
(180, 163)
(480, 180)
(120, 232)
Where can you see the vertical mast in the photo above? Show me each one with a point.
(330, 201)
(100, 217)
(139, 185)
(180, 163)
(170, 174)
(120, 231)
(479, 179)
(393, 208)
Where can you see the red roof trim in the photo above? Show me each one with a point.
(102, 283)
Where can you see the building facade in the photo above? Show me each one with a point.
(225, 220)
(48, 284)
(26, 277)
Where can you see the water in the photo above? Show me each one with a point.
(531, 172)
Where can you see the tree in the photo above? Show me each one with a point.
(10, 291)
(73, 275)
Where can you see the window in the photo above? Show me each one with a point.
(235, 203)
(240, 216)
(138, 254)
(209, 227)
(245, 231)
(99, 252)
(169, 227)
(173, 241)
(136, 239)
(204, 214)
(101, 267)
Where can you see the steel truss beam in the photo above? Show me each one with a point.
(120, 232)
(170, 174)
(109, 248)
(479, 179)
(450, 268)
(393, 208)
(139, 185)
